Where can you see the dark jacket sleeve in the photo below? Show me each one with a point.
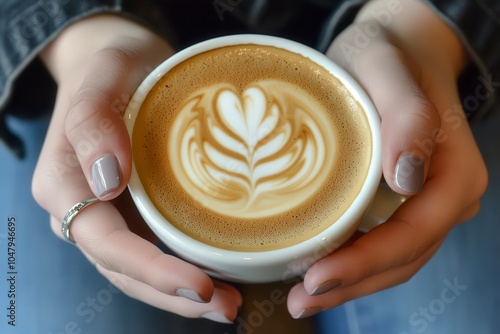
(29, 25)
(477, 23)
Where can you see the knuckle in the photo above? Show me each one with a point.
(425, 111)
(42, 186)
(160, 283)
(408, 274)
(119, 55)
(127, 289)
(51, 172)
(120, 281)
(86, 104)
(474, 189)
(421, 114)
(367, 266)
(481, 181)
(103, 255)
(55, 226)
(471, 212)
(104, 259)
(88, 126)
(100, 88)
(38, 190)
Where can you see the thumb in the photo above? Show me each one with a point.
(94, 124)
(409, 120)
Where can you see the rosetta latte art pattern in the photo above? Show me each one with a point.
(257, 153)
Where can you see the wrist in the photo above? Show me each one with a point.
(417, 30)
(70, 51)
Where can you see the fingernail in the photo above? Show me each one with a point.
(217, 317)
(307, 312)
(189, 294)
(409, 173)
(325, 287)
(105, 174)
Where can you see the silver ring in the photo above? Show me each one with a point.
(72, 214)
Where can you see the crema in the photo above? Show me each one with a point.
(251, 147)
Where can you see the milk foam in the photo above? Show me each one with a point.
(251, 147)
(268, 141)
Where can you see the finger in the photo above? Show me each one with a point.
(222, 308)
(97, 81)
(55, 225)
(231, 290)
(418, 225)
(409, 121)
(100, 230)
(56, 228)
(94, 124)
(102, 233)
(301, 304)
(470, 212)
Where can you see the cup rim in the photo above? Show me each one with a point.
(201, 251)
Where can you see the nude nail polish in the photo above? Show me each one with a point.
(106, 174)
(325, 287)
(189, 294)
(217, 317)
(409, 173)
(307, 312)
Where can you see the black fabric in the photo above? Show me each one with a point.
(477, 23)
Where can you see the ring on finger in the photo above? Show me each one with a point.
(71, 214)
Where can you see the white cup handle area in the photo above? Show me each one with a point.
(384, 204)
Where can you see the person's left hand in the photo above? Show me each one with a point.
(409, 69)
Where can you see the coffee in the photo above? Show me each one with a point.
(251, 147)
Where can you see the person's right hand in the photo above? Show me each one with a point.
(98, 63)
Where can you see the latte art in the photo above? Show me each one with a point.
(251, 147)
(253, 154)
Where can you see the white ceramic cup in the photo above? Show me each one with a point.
(273, 265)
